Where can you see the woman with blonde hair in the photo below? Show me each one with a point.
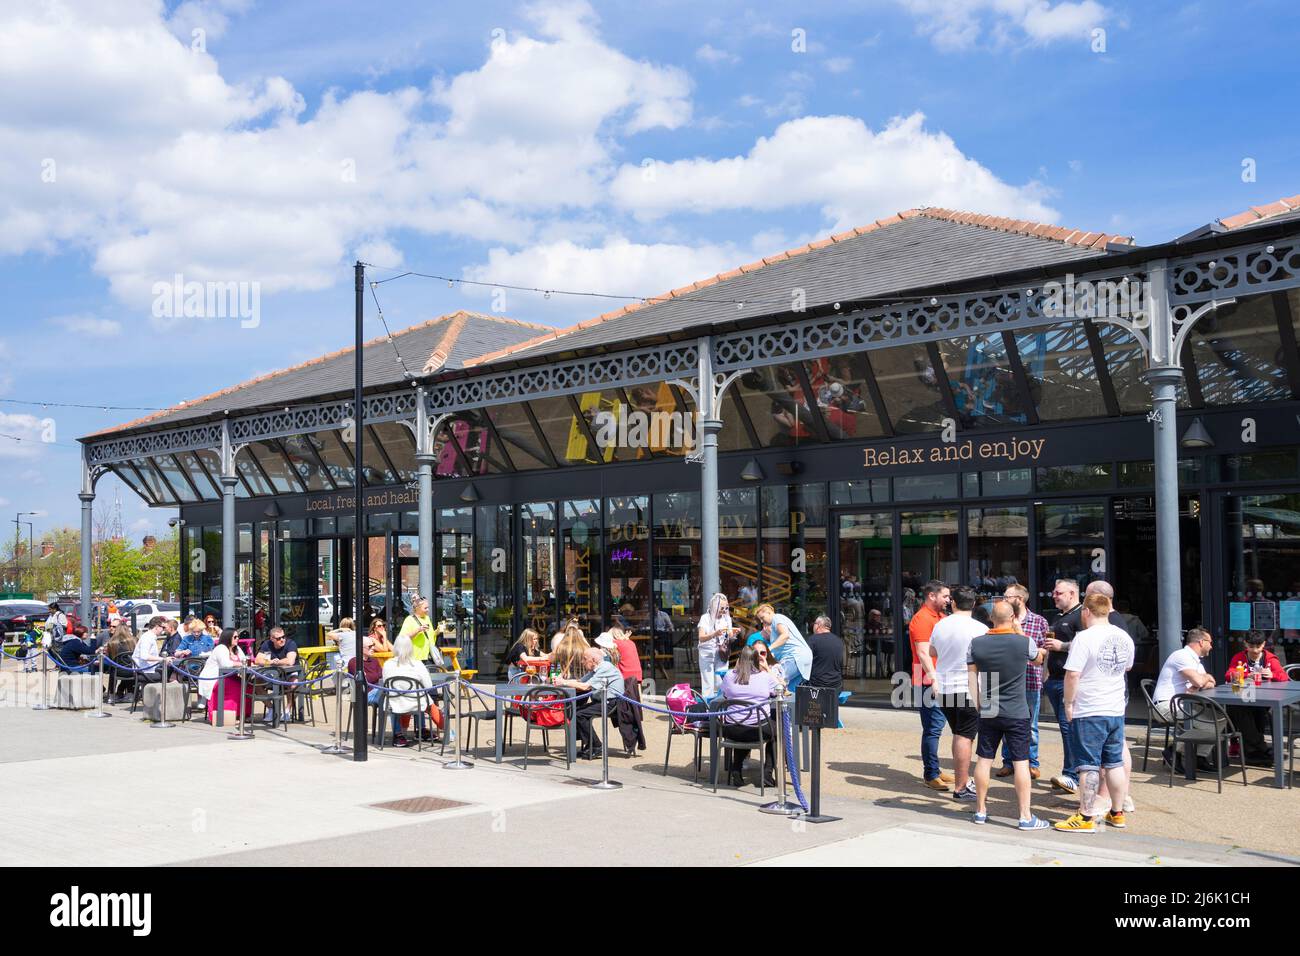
(787, 644)
(715, 631)
(568, 653)
(528, 645)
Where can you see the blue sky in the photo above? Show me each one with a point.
(622, 147)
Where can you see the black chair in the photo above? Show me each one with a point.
(533, 700)
(1154, 717)
(696, 727)
(1191, 714)
(487, 714)
(402, 685)
(121, 675)
(270, 694)
(314, 685)
(717, 711)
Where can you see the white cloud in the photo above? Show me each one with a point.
(89, 326)
(837, 164)
(712, 55)
(838, 64)
(959, 24)
(20, 436)
(160, 162)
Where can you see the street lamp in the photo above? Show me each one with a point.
(18, 523)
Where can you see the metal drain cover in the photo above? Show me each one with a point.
(418, 805)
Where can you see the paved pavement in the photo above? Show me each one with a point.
(189, 795)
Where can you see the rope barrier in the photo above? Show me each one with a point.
(790, 764)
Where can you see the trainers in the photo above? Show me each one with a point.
(966, 793)
(1128, 804)
(1065, 784)
(1115, 820)
(1077, 824)
(936, 783)
(978, 817)
(1005, 771)
(1033, 823)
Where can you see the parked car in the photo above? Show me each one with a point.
(16, 616)
(142, 609)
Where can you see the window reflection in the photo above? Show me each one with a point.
(1127, 365)
(910, 388)
(517, 435)
(1238, 354)
(676, 568)
(778, 406)
(842, 393)
(1061, 373)
(983, 386)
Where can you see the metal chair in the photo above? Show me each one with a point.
(535, 698)
(190, 668)
(314, 685)
(717, 716)
(696, 727)
(402, 685)
(120, 677)
(488, 713)
(269, 694)
(1153, 717)
(1190, 714)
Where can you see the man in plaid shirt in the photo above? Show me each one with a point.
(1033, 626)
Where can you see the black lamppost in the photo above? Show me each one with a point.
(18, 523)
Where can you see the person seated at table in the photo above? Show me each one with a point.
(766, 663)
(1254, 722)
(171, 637)
(750, 684)
(120, 641)
(1183, 673)
(629, 711)
(403, 703)
(568, 654)
(74, 650)
(570, 630)
(282, 652)
(147, 655)
(345, 638)
(379, 637)
(602, 678)
(211, 627)
(195, 642)
(226, 654)
(419, 628)
(528, 645)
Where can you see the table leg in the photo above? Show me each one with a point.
(221, 699)
(500, 725)
(1189, 761)
(571, 733)
(1278, 778)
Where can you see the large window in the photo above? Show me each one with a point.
(537, 531)
(1061, 373)
(1262, 543)
(910, 388)
(1071, 544)
(1239, 355)
(738, 552)
(929, 549)
(997, 549)
(676, 568)
(983, 383)
(793, 524)
(580, 562)
(627, 559)
(494, 587)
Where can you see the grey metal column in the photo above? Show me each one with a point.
(229, 479)
(87, 497)
(1164, 404)
(424, 459)
(709, 426)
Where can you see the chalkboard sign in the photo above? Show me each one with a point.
(817, 706)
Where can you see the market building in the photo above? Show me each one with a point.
(936, 395)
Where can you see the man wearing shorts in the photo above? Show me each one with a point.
(949, 642)
(1100, 657)
(996, 667)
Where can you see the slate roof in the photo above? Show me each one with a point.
(445, 342)
(913, 249)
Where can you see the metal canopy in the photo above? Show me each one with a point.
(1053, 366)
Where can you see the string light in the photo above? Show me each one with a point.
(103, 408)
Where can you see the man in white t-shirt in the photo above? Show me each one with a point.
(1100, 657)
(1184, 673)
(949, 643)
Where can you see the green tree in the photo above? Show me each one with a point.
(121, 573)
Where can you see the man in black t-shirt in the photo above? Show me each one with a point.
(828, 655)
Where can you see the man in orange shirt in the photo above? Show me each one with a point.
(934, 606)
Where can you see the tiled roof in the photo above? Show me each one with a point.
(445, 342)
(981, 245)
(1285, 206)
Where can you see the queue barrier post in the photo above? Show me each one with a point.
(604, 783)
(163, 723)
(45, 682)
(99, 695)
(337, 747)
(242, 733)
(780, 806)
(458, 763)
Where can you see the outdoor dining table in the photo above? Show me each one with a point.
(517, 689)
(1275, 695)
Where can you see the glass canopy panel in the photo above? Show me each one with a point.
(840, 386)
(984, 387)
(157, 490)
(275, 466)
(337, 459)
(778, 406)
(176, 478)
(457, 449)
(1062, 376)
(190, 462)
(249, 472)
(399, 443)
(377, 469)
(1238, 354)
(1127, 365)
(211, 462)
(666, 418)
(128, 477)
(517, 435)
(910, 388)
(556, 419)
(734, 436)
(302, 452)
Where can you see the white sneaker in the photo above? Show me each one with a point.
(1067, 784)
(1128, 803)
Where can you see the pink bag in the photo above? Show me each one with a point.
(678, 698)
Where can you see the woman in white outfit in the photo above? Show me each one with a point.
(714, 631)
(788, 646)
